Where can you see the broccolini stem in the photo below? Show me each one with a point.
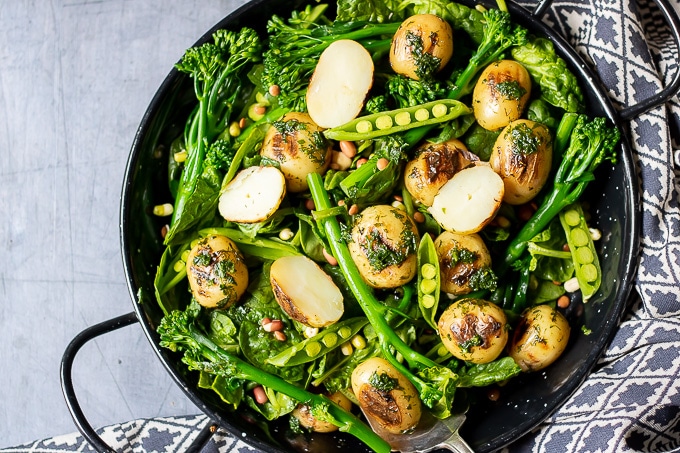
(372, 308)
(243, 370)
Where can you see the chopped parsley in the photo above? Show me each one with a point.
(383, 382)
(483, 278)
(511, 89)
(459, 255)
(426, 63)
(381, 256)
(202, 258)
(523, 139)
(466, 345)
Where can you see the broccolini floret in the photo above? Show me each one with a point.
(591, 143)
(218, 72)
(295, 46)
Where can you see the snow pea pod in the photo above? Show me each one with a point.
(583, 253)
(323, 342)
(429, 280)
(393, 121)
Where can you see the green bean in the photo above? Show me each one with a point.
(583, 253)
(393, 121)
(429, 280)
(323, 342)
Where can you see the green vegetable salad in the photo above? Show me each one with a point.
(401, 182)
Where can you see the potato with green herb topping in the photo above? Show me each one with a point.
(522, 156)
(304, 414)
(217, 272)
(501, 94)
(464, 263)
(383, 245)
(298, 147)
(421, 47)
(540, 338)
(474, 330)
(386, 396)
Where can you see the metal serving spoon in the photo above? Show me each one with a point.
(430, 434)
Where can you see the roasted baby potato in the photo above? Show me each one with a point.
(217, 273)
(304, 415)
(501, 94)
(305, 292)
(298, 146)
(386, 396)
(383, 246)
(464, 261)
(540, 338)
(522, 156)
(468, 201)
(434, 165)
(474, 330)
(421, 47)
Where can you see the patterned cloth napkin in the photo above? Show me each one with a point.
(631, 403)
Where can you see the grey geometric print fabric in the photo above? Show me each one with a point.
(631, 402)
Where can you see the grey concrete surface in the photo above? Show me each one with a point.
(75, 79)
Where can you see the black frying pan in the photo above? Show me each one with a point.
(527, 400)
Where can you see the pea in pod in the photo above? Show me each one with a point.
(429, 280)
(399, 120)
(583, 253)
(314, 347)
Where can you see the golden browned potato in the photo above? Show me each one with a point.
(422, 46)
(468, 201)
(217, 273)
(540, 338)
(474, 330)
(501, 93)
(383, 246)
(303, 413)
(305, 292)
(434, 165)
(298, 146)
(522, 156)
(386, 396)
(463, 258)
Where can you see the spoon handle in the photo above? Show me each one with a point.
(456, 444)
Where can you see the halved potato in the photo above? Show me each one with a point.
(433, 166)
(386, 396)
(469, 200)
(340, 82)
(305, 292)
(253, 195)
(217, 272)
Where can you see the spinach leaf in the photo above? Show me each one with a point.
(277, 405)
(369, 10)
(258, 345)
(480, 141)
(229, 390)
(558, 85)
(481, 375)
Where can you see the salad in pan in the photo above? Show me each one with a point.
(376, 208)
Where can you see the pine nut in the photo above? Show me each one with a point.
(348, 148)
(330, 258)
(260, 395)
(563, 301)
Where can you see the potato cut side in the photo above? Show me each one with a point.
(469, 200)
(340, 82)
(305, 292)
(253, 195)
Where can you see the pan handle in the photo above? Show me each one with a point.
(83, 425)
(671, 89)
